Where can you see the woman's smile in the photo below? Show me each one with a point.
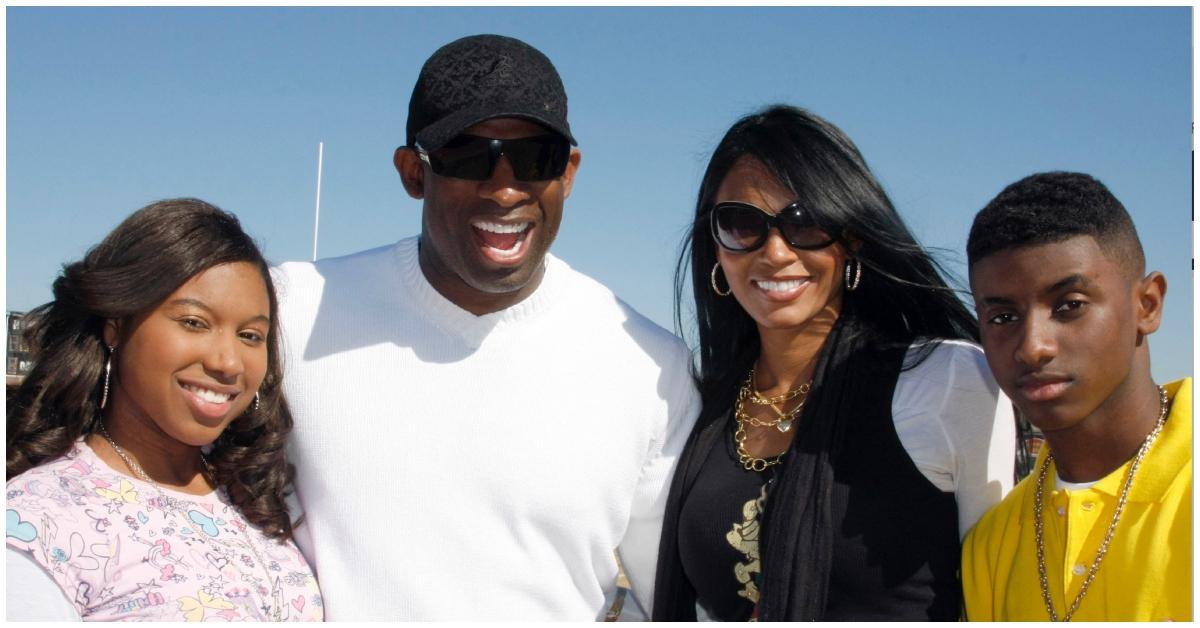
(782, 290)
(212, 403)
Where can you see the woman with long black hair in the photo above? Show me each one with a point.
(851, 432)
(146, 465)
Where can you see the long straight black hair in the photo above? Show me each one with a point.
(903, 293)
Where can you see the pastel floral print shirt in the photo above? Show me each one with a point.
(121, 549)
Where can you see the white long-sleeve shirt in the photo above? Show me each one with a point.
(957, 426)
(453, 466)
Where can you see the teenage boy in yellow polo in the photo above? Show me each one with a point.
(1102, 528)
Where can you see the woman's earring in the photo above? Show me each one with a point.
(256, 401)
(716, 289)
(852, 285)
(107, 372)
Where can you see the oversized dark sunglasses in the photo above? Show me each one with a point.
(538, 158)
(742, 227)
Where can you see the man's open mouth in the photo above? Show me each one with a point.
(502, 242)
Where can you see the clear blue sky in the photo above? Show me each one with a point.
(109, 109)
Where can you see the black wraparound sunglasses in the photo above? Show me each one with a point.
(742, 227)
(538, 158)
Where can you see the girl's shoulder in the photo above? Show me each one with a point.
(60, 512)
(72, 482)
(75, 494)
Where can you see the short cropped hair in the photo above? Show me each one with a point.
(1052, 207)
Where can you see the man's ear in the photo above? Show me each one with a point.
(1151, 291)
(412, 171)
(568, 176)
(112, 330)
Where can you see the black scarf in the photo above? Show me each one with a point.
(798, 530)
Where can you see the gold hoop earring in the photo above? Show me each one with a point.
(852, 285)
(716, 289)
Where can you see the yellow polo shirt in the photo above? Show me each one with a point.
(1146, 574)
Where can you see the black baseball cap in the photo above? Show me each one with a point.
(482, 77)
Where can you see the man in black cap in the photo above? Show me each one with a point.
(479, 426)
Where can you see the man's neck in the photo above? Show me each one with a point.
(1110, 436)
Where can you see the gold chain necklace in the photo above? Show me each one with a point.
(757, 398)
(783, 422)
(277, 602)
(1112, 527)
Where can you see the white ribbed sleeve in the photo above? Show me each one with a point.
(957, 426)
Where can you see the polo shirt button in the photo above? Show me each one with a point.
(1088, 505)
(1077, 570)
(1061, 511)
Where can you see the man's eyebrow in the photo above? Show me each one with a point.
(994, 301)
(1070, 281)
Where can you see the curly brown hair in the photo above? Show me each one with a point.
(146, 258)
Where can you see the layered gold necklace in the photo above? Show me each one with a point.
(782, 422)
(1038, 532)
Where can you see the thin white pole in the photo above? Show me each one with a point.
(317, 218)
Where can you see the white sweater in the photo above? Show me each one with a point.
(453, 466)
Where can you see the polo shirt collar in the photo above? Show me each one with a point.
(1166, 458)
(1171, 452)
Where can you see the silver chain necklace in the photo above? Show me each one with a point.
(137, 468)
(277, 602)
(1112, 527)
